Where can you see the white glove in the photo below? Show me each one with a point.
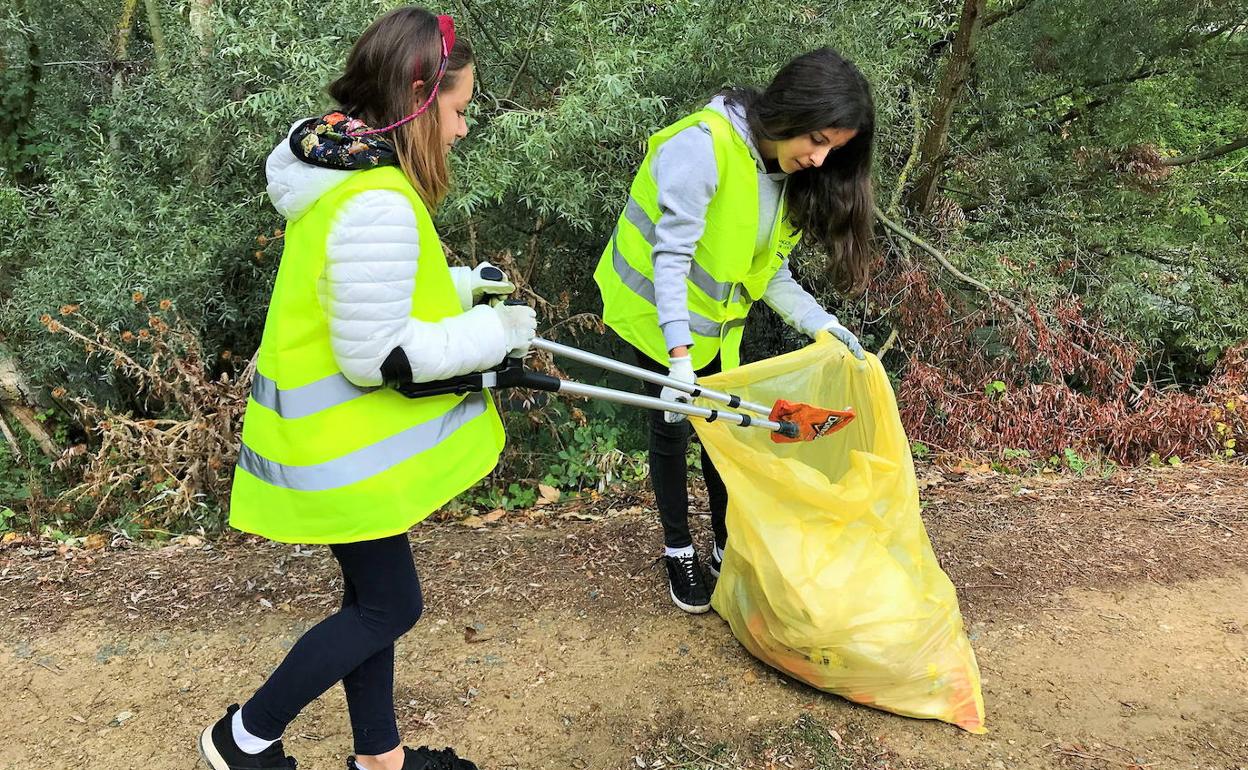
(472, 285)
(834, 328)
(681, 369)
(519, 327)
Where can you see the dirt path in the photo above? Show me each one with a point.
(1109, 619)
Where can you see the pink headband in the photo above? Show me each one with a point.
(446, 25)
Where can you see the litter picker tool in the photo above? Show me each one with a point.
(788, 421)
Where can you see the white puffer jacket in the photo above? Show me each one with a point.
(370, 273)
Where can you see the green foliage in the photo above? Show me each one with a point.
(512, 497)
(7, 515)
(14, 490)
(25, 486)
(149, 181)
(1071, 460)
(119, 177)
(1059, 176)
(592, 458)
(1013, 461)
(599, 451)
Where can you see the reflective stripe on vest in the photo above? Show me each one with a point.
(365, 462)
(716, 290)
(644, 288)
(293, 403)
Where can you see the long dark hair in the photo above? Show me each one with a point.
(376, 87)
(831, 204)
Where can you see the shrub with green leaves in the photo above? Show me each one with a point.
(1083, 164)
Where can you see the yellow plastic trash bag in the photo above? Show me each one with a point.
(829, 575)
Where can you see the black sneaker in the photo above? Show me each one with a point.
(220, 752)
(425, 758)
(688, 587)
(716, 564)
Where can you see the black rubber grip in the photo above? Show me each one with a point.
(734, 402)
(492, 273)
(714, 415)
(745, 421)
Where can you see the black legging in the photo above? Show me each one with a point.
(669, 474)
(355, 645)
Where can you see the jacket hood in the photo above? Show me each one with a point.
(316, 156)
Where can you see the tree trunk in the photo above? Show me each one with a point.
(932, 154)
(158, 35)
(124, 25)
(201, 25)
(16, 397)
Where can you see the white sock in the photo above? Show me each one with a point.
(719, 553)
(248, 743)
(686, 551)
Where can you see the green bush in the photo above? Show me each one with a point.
(132, 168)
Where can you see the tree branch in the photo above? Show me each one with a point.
(1176, 44)
(124, 27)
(86, 63)
(1140, 74)
(944, 262)
(1019, 312)
(894, 202)
(888, 343)
(1055, 126)
(14, 447)
(524, 62)
(1225, 149)
(1005, 13)
(485, 30)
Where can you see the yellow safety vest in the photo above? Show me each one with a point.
(324, 460)
(727, 274)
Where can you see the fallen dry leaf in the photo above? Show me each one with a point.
(494, 515)
(548, 494)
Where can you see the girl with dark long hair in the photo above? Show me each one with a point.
(722, 197)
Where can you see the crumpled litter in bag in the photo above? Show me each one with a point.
(829, 575)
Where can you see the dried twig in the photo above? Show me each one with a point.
(174, 462)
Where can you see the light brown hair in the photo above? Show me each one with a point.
(399, 48)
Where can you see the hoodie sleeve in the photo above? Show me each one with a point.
(684, 170)
(794, 304)
(373, 253)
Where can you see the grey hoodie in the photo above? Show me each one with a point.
(685, 171)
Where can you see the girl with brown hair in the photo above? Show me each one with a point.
(363, 299)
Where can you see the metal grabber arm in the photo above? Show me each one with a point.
(787, 421)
